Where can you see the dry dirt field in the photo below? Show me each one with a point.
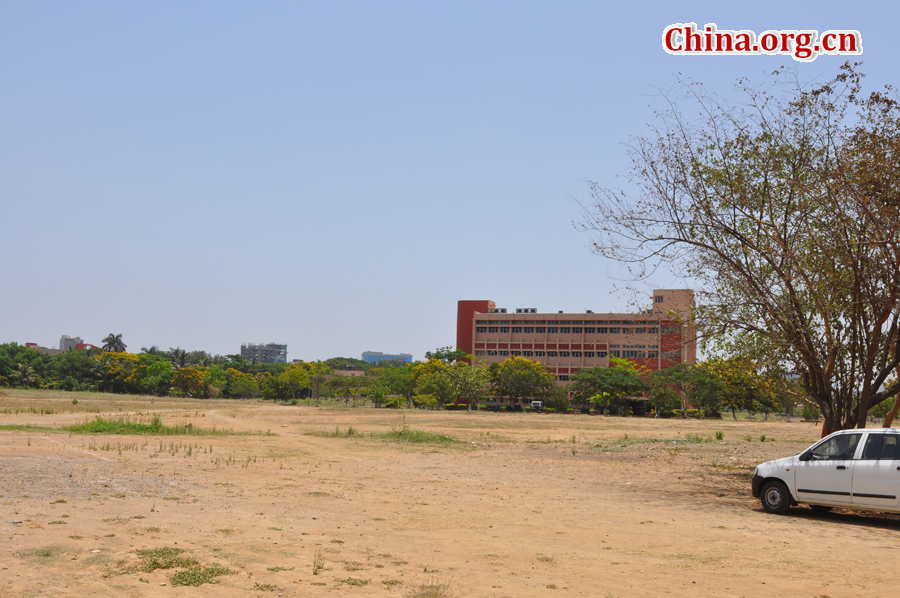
(523, 505)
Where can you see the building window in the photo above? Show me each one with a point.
(564, 354)
(672, 354)
(590, 330)
(504, 353)
(601, 354)
(481, 329)
(492, 329)
(634, 354)
(628, 331)
(492, 353)
(527, 353)
(540, 330)
(565, 330)
(479, 353)
(576, 331)
(481, 321)
(539, 354)
(529, 330)
(552, 329)
(615, 330)
(653, 331)
(588, 353)
(517, 330)
(563, 377)
(516, 353)
(653, 354)
(504, 329)
(602, 330)
(671, 329)
(640, 331)
(576, 353)
(551, 353)
(615, 353)
(657, 299)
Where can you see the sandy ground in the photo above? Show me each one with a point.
(525, 505)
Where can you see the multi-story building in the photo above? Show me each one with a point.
(268, 353)
(376, 356)
(67, 343)
(656, 337)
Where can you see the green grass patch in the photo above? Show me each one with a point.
(353, 581)
(99, 425)
(166, 557)
(416, 436)
(199, 575)
(402, 434)
(18, 427)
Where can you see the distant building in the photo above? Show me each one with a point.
(43, 350)
(376, 356)
(268, 353)
(67, 343)
(656, 338)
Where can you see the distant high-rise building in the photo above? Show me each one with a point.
(268, 353)
(376, 356)
(67, 343)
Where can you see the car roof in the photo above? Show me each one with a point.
(870, 430)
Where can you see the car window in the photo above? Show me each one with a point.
(840, 447)
(881, 446)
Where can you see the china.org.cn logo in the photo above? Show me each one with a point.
(801, 45)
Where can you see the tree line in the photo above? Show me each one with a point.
(447, 377)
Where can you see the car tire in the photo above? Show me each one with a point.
(821, 509)
(775, 497)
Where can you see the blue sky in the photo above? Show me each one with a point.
(334, 175)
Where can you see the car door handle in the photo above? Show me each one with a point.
(841, 467)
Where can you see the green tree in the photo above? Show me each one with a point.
(297, 377)
(519, 380)
(471, 383)
(392, 381)
(215, 381)
(275, 389)
(784, 208)
(113, 343)
(606, 387)
(318, 375)
(157, 378)
(448, 355)
(178, 357)
(25, 375)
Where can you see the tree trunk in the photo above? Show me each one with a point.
(890, 415)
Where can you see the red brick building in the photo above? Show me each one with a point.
(656, 337)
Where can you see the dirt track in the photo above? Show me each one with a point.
(526, 505)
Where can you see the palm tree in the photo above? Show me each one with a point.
(113, 343)
(26, 375)
(178, 357)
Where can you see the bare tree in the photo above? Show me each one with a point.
(785, 208)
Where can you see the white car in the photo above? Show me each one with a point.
(852, 468)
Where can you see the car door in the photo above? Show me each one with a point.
(824, 473)
(876, 474)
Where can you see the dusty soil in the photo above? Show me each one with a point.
(524, 505)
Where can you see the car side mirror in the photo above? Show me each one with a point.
(806, 456)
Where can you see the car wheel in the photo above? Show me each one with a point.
(775, 497)
(820, 508)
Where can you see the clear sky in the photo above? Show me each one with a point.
(334, 175)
